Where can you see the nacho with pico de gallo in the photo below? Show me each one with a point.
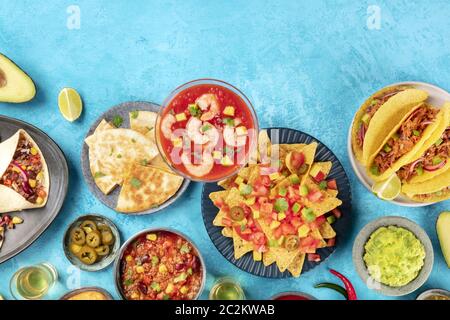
(281, 211)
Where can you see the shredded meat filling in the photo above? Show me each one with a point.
(405, 138)
(437, 150)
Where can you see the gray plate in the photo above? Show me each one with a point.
(358, 252)
(36, 221)
(106, 261)
(122, 110)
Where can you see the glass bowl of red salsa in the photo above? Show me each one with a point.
(292, 295)
(159, 264)
(206, 130)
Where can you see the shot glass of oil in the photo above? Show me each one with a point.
(226, 288)
(33, 282)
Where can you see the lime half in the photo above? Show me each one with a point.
(70, 104)
(388, 189)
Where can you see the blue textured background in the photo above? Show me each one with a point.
(305, 66)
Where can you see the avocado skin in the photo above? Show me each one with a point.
(19, 87)
(443, 232)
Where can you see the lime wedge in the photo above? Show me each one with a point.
(388, 189)
(70, 104)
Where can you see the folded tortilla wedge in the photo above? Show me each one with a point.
(408, 137)
(10, 199)
(378, 115)
(145, 187)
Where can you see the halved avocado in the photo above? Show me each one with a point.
(443, 231)
(15, 85)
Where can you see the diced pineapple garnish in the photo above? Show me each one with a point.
(229, 111)
(274, 176)
(239, 180)
(303, 231)
(177, 142)
(217, 155)
(274, 224)
(226, 161)
(281, 216)
(180, 117)
(241, 131)
(256, 214)
(140, 269)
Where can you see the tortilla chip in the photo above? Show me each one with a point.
(284, 257)
(144, 122)
(315, 233)
(226, 183)
(234, 198)
(240, 245)
(227, 232)
(264, 147)
(296, 266)
(146, 187)
(268, 258)
(327, 231)
(218, 219)
(327, 203)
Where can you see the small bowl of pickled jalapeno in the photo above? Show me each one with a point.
(91, 242)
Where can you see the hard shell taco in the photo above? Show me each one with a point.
(433, 190)
(431, 160)
(24, 177)
(378, 115)
(410, 136)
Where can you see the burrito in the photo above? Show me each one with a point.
(410, 136)
(24, 177)
(379, 115)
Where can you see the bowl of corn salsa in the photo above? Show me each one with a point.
(159, 264)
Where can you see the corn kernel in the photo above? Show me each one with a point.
(140, 269)
(184, 289)
(226, 161)
(129, 258)
(177, 142)
(274, 224)
(162, 268)
(169, 288)
(39, 200)
(152, 237)
(32, 183)
(33, 151)
(217, 155)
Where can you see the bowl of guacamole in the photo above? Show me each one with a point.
(393, 255)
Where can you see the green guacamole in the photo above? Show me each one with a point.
(394, 256)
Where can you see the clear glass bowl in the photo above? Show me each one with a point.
(168, 100)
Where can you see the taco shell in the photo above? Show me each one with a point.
(436, 189)
(10, 200)
(442, 120)
(385, 119)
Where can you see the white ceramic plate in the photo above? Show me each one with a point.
(437, 97)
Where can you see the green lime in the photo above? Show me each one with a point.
(70, 104)
(388, 189)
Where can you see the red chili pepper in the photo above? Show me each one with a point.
(348, 285)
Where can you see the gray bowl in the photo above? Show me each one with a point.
(440, 292)
(118, 261)
(72, 293)
(361, 268)
(103, 263)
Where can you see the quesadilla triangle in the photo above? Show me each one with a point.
(378, 115)
(406, 140)
(431, 160)
(24, 177)
(146, 187)
(433, 190)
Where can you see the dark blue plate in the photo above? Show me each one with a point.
(341, 226)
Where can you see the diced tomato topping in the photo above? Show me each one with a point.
(331, 242)
(244, 234)
(265, 181)
(319, 177)
(297, 159)
(266, 208)
(219, 203)
(337, 213)
(260, 190)
(315, 196)
(259, 238)
(320, 220)
(331, 184)
(288, 228)
(296, 222)
(313, 257)
(278, 232)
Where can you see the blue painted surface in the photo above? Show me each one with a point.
(304, 65)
